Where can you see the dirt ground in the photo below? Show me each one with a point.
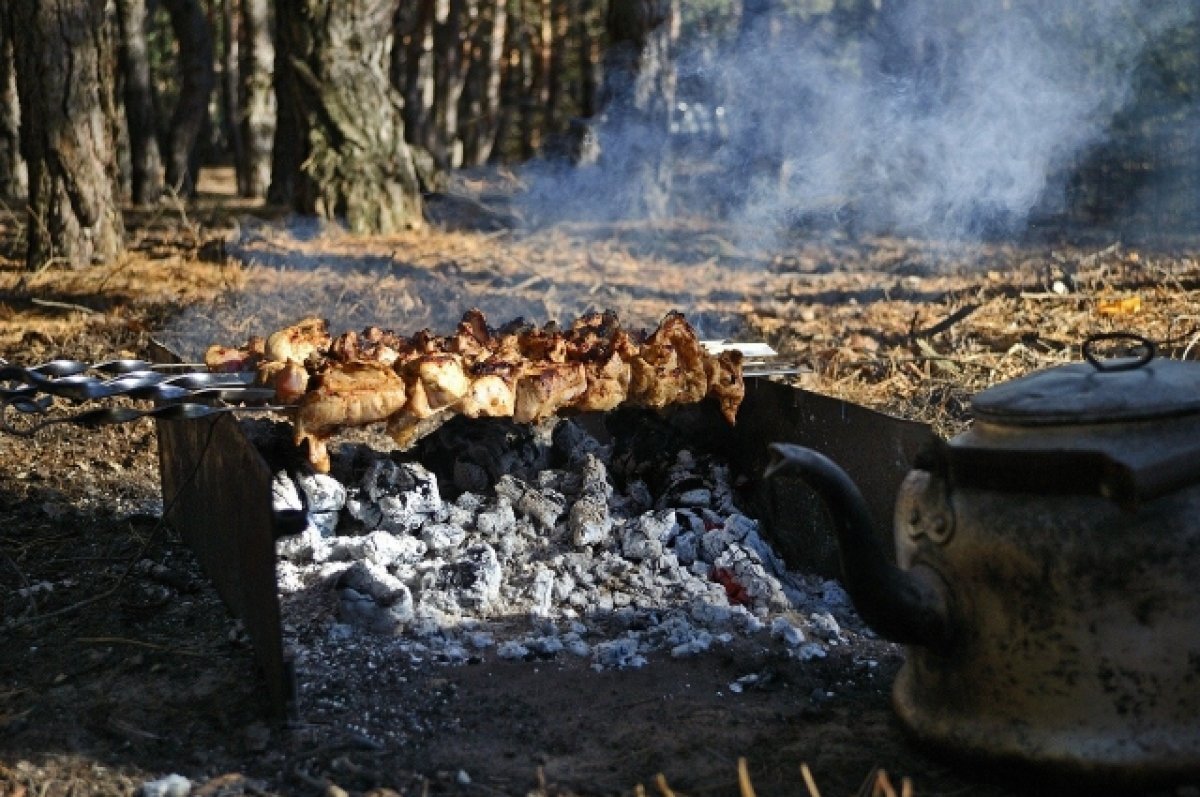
(115, 672)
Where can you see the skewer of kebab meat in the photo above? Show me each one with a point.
(518, 371)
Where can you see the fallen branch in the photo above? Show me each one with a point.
(63, 306)
(946, 323)
(117, 640)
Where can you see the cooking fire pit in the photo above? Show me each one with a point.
(226, 491)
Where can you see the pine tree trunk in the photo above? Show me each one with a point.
(289, 147)
(511, 88)
(358, 163)
(231, 95)
(756, 143)
(528, 66)
(637, 99)
(418, 77)
(556, 71)
(589, 59)
(449, 78)
(481, 106)
(256, 51)
(13, 177)
(66, 61)
(196, 80)
(145, 162)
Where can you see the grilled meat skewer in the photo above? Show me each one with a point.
(520, 371)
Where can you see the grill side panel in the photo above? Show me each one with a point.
(217, 494)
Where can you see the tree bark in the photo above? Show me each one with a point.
(556, 66)
(418, 78)
(288, 148)
(256, 51)
(527, 68)
(358, 163)
(447, 87)
(637, 98)
(145, 162)
(197, 77)
(13, 177)
(66, 61)
(589, 58)
(756, 140)
(231, 93)
(482, 104)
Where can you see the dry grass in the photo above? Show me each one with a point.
(905, 326)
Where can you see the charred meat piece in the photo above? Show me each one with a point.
(492, 393)
(608, 376)
(290, 382)
(227, 359)
(406, 429)
(545, 344)
(345, 395)
(669, 366)
(592, 330)
(473, 340)
(725, 382)
(545, 388)
(434, 382)
(299, 341)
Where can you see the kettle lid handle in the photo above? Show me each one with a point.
(1146, 348)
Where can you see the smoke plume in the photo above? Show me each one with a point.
(941, 119)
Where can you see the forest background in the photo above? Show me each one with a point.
(928, 118)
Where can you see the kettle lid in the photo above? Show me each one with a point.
(1099, 390)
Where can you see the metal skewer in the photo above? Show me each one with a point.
(760, 358)
(185, 395)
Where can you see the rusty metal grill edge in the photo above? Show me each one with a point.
(216, 490)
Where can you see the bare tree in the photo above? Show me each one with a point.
(481, 101)
(65, 63)
(256, 51)
(357, 166)
(412, 66)
(197, 77)
(231, 89)
(588, 48)
(146, 177)
(535, 109)
(438, 63)
(13, 178)
(288, 146)
(637, 99)
(452, 29)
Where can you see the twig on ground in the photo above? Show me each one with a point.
(946, 323)
(809, 783)
(63, 305)
(745, 787)
(133, 561)
(24, 581)
(116, 640)
(1053, 297)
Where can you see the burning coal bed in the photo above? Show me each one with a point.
(614, 542)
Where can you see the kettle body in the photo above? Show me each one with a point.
(1076, 641)
(1046, 573)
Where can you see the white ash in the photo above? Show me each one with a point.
(173, 785)
(561, 556)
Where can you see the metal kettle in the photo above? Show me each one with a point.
(1046, 573)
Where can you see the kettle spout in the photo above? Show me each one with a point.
(909, 606)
